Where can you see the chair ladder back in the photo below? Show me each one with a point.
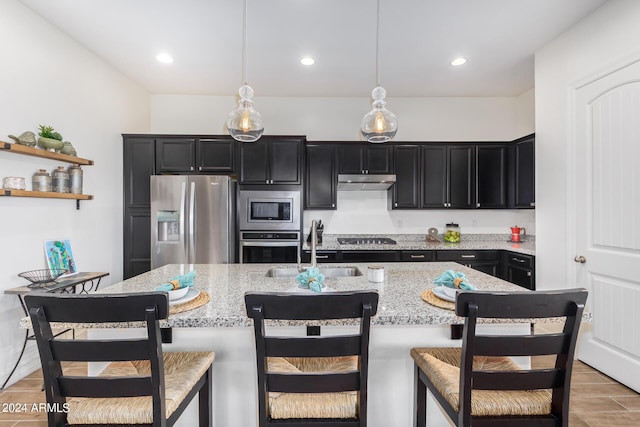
(316, 346)
(522, 345)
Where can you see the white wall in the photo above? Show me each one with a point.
(335, 119)
(47, 78)
(604, 37)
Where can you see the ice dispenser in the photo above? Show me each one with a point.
(168, 226)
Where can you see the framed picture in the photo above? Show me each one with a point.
(60, 256)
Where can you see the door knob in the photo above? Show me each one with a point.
(580, 259)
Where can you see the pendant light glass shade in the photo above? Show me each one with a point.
(245, 123)
(379, 124)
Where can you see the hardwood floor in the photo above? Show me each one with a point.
(596, 400)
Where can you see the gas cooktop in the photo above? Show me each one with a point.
(366, 241)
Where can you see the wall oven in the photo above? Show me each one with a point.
(269, 225)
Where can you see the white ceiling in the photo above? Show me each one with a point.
(418, 38)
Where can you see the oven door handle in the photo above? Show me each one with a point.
(269, 244)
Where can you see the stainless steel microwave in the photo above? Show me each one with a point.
(269, 210)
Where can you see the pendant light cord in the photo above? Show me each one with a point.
(244, 42)
(377, 43)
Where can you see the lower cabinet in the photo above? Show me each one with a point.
(485, 261)
(519, 269)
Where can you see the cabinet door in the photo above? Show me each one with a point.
(285, 157)
(175, 155)
(521, 276)
(461, 178)
(254, 163)
(216, 155)
(320, 182)
(138, 165)
(137, 239)
(434, 176)
(406, 190)
(378, 159)
(524, 174)
(491, 176)
(352, 159)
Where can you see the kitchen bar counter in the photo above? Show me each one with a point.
(226, 284)
(418, 242)
(403, 321)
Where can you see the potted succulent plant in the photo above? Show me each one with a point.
(49, 139)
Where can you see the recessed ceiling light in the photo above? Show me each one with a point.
(458, 61)
(307, 60)
(165, 58)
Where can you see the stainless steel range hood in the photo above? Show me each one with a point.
(365, 182)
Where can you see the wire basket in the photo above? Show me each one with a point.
(42, 277)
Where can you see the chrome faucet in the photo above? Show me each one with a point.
(314, 243)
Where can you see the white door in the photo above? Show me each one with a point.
(606, 133)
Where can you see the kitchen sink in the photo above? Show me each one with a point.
(328, 272)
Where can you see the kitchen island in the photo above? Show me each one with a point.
(403, 321)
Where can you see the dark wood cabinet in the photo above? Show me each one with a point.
(271, 160)
(406, 190)
(195, 155)
(138, 165)
(448, 176)
(519, 269)
(491, 176)
(365, 159)
(487, 261)
(320, 184)
(522, 192)
(417, 256)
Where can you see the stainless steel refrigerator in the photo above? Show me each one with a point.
(193, 219)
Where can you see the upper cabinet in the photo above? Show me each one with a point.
(271, 160)
(195, 155)
(522, 192)
(357, 158)
(406, 190)
(320, 184)
(448, 176)
(491, 176)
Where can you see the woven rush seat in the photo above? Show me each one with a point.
(442, 366)
(313, 405)
(182, 370)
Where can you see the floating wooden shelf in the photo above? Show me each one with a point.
(39, 152)
(45, 154)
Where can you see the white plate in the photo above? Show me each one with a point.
(437, 291)
(309, 291)
(192, 294)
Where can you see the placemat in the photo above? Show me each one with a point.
(198, 301)
(431, 298)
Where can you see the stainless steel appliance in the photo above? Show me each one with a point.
(362, 182)
(269, 224)
(366, 241)
(193, 219)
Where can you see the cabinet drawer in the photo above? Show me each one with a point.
(416, 256)
(321, 256)
(466, 256)
(370, 256)
(519, 260)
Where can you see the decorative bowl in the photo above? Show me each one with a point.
(42, 277)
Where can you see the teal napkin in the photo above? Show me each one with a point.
(454, 279)
(311, 279)
(182, 281)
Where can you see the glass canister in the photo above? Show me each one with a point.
(60, 179)
(452, 233)
(41, 181)
(75, 179)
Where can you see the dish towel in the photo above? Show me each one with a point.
(182, 281)
(454, 279)
(311, 279)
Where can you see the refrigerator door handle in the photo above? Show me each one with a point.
(183, 225)
(192, 215)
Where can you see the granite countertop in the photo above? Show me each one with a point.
(418, 242)
(400, 302)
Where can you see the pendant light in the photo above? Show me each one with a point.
(379, 124)
(245, 123)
